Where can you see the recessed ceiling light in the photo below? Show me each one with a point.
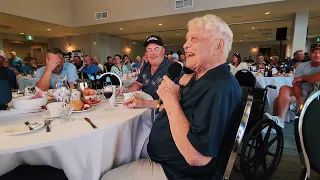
(177, 34)
(147, 36)
(171, 44)
(121, 29)
(253, 27)
(240, 40)
(246, 35)
(160, 24)
(21, 33)
(267, 13)
(268, 38)
(48, 29)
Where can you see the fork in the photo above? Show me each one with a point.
(47, 123)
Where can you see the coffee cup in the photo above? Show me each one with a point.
(55, 108)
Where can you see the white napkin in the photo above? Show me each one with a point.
(13, 111)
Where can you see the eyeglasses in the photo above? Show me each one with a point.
(154, 49)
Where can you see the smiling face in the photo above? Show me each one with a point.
(155, 54)
(315, 56)
(202, 48)
(117, 60)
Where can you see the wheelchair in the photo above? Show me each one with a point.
(261, 148)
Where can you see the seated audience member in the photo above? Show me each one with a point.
(150, 74)
(15, 61)
(108, 65)
(250, 60)
(126, 62)
(7, 73)
(31, 66)
(305, 76)
(97, 63)
(236, 64)
(55, 65)
(139, 63)
(182, 58)
(298, 59)
(7, 82)
(260, 61)
(118, 68)
(89, 68)
(175, 58)
(187, 137)
(77, 62)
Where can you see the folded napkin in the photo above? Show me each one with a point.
(13, 111)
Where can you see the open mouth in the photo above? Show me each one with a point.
(189, 54)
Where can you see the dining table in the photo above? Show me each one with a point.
(84, 153)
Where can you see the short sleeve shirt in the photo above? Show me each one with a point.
(151, 82)
(68, 69)
(306, 69)
(120, 72)
(91, 70)
(209, 104)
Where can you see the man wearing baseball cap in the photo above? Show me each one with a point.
(7, 82)
(150, 74)
(305, 76)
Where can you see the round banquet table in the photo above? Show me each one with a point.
(262, 82)
(82, 152)
(25, 81)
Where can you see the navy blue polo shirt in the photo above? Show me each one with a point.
(151, 82)
(210, 104)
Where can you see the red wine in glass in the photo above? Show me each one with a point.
(107, 94)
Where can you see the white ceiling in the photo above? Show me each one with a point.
(240, 19)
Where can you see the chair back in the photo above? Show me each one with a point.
(240, 132)
(245, 78)
(115, 79)
(308, 133)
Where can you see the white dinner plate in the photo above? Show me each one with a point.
(92, 107)
(22, 128)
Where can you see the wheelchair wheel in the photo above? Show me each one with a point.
(261, 150)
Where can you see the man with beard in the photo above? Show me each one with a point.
(55, 65)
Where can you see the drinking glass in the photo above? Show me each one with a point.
(66, 112)
(107, 91)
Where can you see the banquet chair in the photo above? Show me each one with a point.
(306, 134)
(246, 78)
(240, 132)
(30, 172)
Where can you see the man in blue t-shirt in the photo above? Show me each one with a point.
(15, 61)
(305, 76)
(55, 65)
(89, 67)
(190, 138)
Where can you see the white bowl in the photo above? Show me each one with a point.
(26, 103)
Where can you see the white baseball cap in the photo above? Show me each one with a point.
(2, 54)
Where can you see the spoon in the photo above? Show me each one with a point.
(28, 124)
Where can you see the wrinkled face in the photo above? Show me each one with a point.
(201, 48)
(259, 59)
(51, 56)
(315, 56)
(155, 54)
(299, 56)
(117, 60)
(76, 60)
(87, 60)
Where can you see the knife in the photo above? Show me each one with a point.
(89, 121)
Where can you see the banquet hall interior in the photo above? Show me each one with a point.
(102, 135)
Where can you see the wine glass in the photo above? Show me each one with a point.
(107, 91)
(66, 112)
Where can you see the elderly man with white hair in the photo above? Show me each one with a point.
(189, 138)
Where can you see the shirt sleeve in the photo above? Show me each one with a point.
(211, 116)
(140, 79)
(72, 74)
(299, 70)
(39, 73)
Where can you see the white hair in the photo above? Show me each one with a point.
(214, 24)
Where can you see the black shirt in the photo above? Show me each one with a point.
(209, 104)
(7, 82)
(108, 66)
(78, 66)
(151, 82)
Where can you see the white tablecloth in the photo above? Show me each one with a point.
(128, 82)
(82, 152)
(262, 82)
(25, 81)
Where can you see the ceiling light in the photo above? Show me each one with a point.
(240, 40)
(268, 38)
(21, 33)
(121, 29)
(267, 13)
(48, 29)
(246, 35)
(177, 34)
(253, 27)
(160, 24)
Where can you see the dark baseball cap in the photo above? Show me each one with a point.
(315, 46)
(153, 39)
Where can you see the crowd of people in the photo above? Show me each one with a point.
(189, 138)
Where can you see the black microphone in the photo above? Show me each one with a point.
(173, 72)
